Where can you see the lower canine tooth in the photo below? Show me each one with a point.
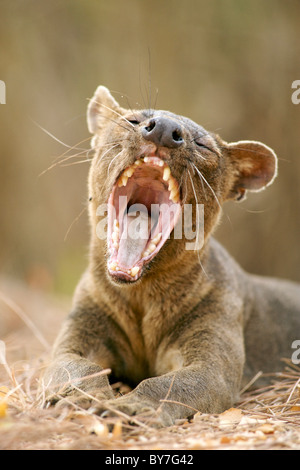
(171, 184)
(134, 271)
(151, 247)
(174, 196)
(115, 236)
(166, 174)
(156, 239)
(129, 172)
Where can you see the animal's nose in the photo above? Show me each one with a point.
(163, 132)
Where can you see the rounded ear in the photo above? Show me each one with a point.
(101, 106)
(255, 166)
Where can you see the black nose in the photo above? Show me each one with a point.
(163, 132)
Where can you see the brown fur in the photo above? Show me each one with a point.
(194, 325)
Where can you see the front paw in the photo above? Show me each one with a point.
(135, 410)
(74, 398)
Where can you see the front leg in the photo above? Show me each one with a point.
(212, 357)
(87, 344)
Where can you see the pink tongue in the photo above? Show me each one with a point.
(134, 238)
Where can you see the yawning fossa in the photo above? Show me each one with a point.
(184, 328)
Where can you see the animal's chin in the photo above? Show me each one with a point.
(143, 208)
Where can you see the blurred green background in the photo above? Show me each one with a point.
(227, 64)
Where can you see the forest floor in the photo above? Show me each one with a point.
(264, 419)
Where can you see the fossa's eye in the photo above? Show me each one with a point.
(200, 144)
(134, 120)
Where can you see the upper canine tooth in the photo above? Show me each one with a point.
(172, 184)
(167, 173)
(129, 172)
(124, 180)
(134, 271)
(174, 196)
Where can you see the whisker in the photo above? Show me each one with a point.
(53, 136)
(199, 155)
(118, 114)
(201, 180)
(209, 186)
(149, 81)
(197, 239)
(56, 163)
(74, 147)
(107, 151)
(113, 161)
(80, 161)
(243, 148)
(74, 221)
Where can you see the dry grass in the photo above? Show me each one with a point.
(268, 418)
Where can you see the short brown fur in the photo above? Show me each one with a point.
(195, 326)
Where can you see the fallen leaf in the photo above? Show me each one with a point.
(225, 440)
(117, 430)
(231, 416)
(295, 408)
(3, 408)
(266, 428)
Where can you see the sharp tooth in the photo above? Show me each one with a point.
(115, 236)
(138, 162)
(161, 163)
(174, 196)
(172, 184)
(129, 172)
(123, 180)
(113, 266)
(134, 271)
(151, 247)
(145, 254)
(157, 239)
(167, 173)
(146, 159)
(116, 244)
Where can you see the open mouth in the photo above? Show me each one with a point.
(143, 208)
